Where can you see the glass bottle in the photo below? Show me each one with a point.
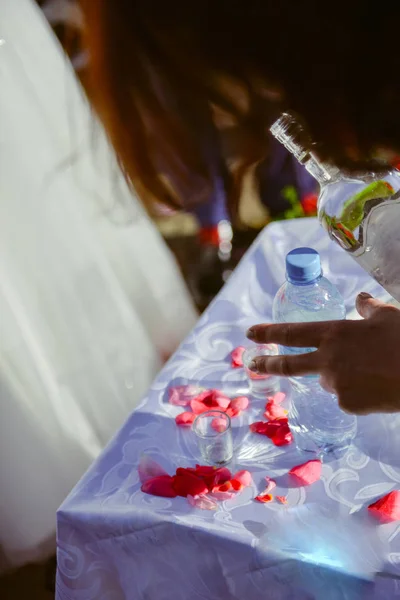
(360, 212)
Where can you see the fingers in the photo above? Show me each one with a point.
(287, 365)
(367, 305)
(299, 335)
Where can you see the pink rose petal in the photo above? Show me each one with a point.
(239, 403)
(160, 486)
(237, 357)
(181, 395)
(148, 469)
(222, 402)
(219, 424)
(185, 419)
(223, 495)
(244, 477)
(271, 484)
(308, 472)
(208, 400)
(274, 411)
(387, 508)
(198, 407)
(203, 502)
(277, 398)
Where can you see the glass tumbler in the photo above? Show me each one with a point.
(260, 385)
(214, 437)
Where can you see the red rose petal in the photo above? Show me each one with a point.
(160, 486)
(277, 398)
(236, 485)
(223, 487)
(283, 436)
(237, 357)
(233, 412)
(185, 419)
(181, 395)
(209, 399)
(282, 499)
(307, 473)
(149, 469)
(239, 403)
(185, 483)
(244, 477)
(212, 476)
(264, 498)
(259, 427)
(387, 508)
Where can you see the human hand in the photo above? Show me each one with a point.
(359, 361)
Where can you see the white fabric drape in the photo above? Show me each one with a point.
(90, 298)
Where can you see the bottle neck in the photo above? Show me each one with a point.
(291, 133)
(323, 173)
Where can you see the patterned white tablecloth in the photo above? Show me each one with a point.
(114, 542)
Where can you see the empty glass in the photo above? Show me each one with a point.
(214, 437)
(260, 385)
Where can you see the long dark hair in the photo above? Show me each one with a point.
(165, 73)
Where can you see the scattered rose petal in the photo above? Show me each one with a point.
(239, 403)
(307, 473)
(223, 495)
(149, 469)
(185, 419)
(185, 483)
(203, 502)
(237, 486)
(265, 498)
(258, 427)
(244, 477)
(198, 407)
(160, 486)
(233, 412)
(181, 395)
(223, 487)
(219, 424)
(283, 436)
(282, 499)
(387, 508)
(208, 400)
(271, 484)
(276, 430)
(277, 398)
(237, 357)
(212, 476)
(221, 402)
(274, 411)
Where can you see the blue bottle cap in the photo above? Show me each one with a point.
(303, 265)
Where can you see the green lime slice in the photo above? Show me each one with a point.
(353, 208)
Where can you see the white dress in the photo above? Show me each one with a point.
(91, 300)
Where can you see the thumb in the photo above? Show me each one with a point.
(367, 305)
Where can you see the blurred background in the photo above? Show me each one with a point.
(95, 296)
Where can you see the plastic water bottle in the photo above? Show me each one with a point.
(317, 422)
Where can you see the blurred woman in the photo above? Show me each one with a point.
(91, 301)
(169, 76)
